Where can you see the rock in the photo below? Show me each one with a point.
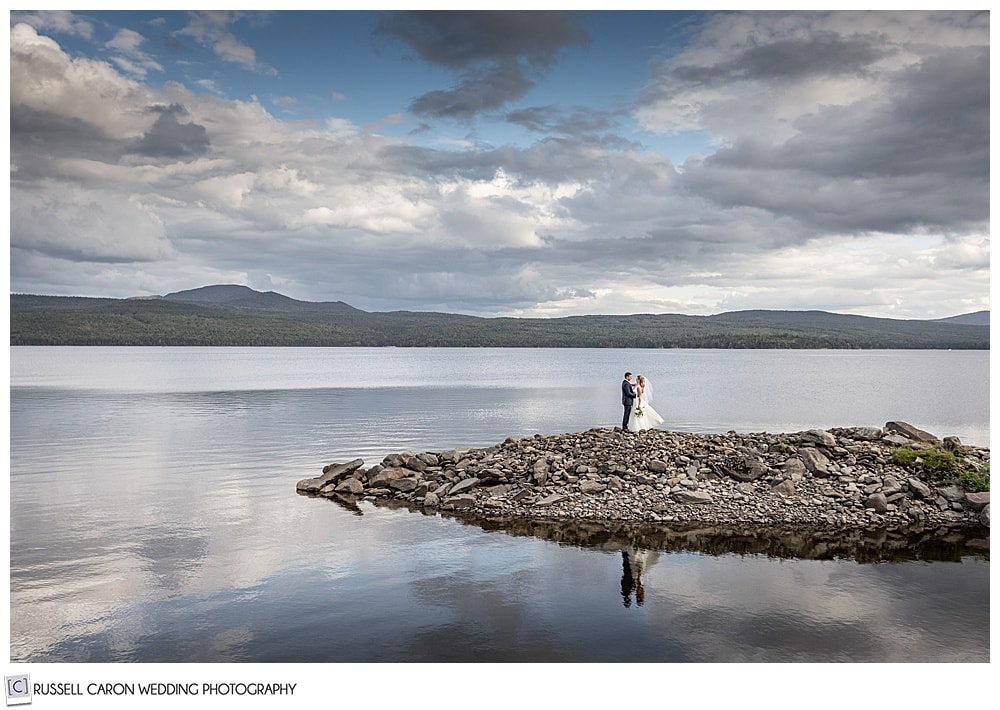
(977, 501)
(686, 497)
(897, 439)
(794, 468)
(952, 443)
(744, 470)
(540, 470)
(592, 487)
(952, 494)
(878, 502)
(404, 485)
(785, 488)
(464, 485)
(866, 433)
(676, 478)
(815, 462)
(351, 485)
(332, 473)
(918, 487)
(819, 437)
(460, 502)
(910, 432)
(383, 477)
(551, 499)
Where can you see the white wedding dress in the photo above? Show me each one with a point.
(649, 418)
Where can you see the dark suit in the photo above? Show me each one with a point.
(628, 399)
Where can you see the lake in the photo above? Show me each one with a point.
(154, 517)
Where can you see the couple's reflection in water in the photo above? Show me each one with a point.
(635, 562)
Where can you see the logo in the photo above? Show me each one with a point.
(18, 689)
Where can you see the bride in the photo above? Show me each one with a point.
(643, 415)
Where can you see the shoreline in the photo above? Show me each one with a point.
(836, 479)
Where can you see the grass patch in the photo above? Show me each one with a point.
(943, 467)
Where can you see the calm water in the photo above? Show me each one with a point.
(154, 518)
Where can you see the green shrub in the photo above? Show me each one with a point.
(943, 467)
(975, 481)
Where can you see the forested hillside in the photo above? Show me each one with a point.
(239, 316)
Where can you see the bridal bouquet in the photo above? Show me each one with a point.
(638, 411)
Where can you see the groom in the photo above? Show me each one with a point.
(628, 398)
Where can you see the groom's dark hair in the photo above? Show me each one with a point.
(627, 375)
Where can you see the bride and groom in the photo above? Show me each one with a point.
(639, 415)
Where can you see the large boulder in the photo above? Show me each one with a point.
(686, 497)
(919, 488)
(351, 485)
(977, 501)
(818, 437)
(815, 462)
(910, 432)
(386, 476)
(877, 502)
(332, 473)
(466, 484)
(785, 488)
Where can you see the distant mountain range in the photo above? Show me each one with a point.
(229, 315)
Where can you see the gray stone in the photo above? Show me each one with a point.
(910, 432)
(351, 485)
(332, 473)
(385, 476)
(953, 494)
(816, 462)
(794, 468)
(592, 487)
(459, 502)
(952, 443)
(977, 501)
(657, 466)
(551, 499)
(866, 433)
(897, 439)
(465, 484)
(404, 485)
(918, 487)
(540, 470)
(686, 497)
(878, 502)
(984, 516)
(785, 488)
(819, 437)
(744, 471)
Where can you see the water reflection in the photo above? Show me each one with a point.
(939, 544)
(634, 564)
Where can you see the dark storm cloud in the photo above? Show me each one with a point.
(169, 138)
(37, 136)
(825, 54)
(917, 157)
(495, 54)
(555, 120)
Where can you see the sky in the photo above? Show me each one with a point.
(534, 164)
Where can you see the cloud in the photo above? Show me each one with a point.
(494, 54)
(168, 137)
(56, 21)
(211, 29)
(859, 183)
(129, 56)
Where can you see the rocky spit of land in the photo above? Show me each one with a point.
(837, 478)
